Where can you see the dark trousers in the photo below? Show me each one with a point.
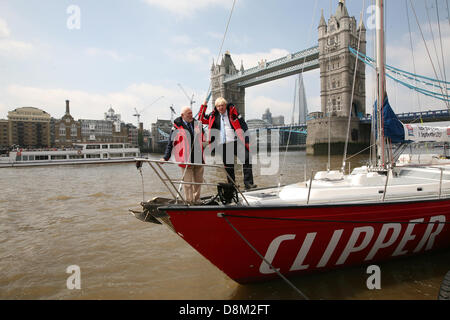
(243, 155)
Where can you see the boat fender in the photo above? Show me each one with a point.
(444, 292)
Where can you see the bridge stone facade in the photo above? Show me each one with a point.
(338, 81)
(231, 92)
(337, 67)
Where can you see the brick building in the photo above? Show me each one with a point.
(29, 127)
(67, 131)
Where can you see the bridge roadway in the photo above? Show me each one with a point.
(425, 116)
(408, 117)
(291, 64)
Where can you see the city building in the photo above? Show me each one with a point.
(278, 121)
(67, 131)
(96, 130)
(275, 121)
(29, 127)
(132, 134)
(267, 116)
(160, 134)
(257, 123)
(4, 135)
(119, 129)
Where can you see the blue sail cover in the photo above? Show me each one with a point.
(393, 128)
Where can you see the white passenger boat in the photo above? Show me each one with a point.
(94, 153)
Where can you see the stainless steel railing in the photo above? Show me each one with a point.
(170, 183)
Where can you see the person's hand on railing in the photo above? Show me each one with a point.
(162, 159)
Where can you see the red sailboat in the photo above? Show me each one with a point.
(333, 220)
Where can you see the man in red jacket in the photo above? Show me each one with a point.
(227, 134)
(186, 145)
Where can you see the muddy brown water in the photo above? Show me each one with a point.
(59, 216)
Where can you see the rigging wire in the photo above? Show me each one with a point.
(426, 46)
(208, 95)
(290, 131)
(448, 13)
(303, 68)
(412, 50)
(361, 17)
(277, 271)
(434, 42)
(442, 47)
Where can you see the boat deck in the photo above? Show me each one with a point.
(403, 184)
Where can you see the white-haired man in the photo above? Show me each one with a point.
(230, 139)
(186, 144)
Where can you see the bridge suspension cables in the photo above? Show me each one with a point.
(427, 86)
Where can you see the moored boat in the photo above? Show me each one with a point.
(376, 212)
(93, 153)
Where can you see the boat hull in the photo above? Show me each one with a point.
(304, 239)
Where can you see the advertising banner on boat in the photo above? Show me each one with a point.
(421, 133)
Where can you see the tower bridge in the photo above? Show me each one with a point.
(337, 66)
(291, 64)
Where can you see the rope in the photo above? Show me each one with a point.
(222, 215)
(331, 221)
(221, 47)
(142, 179)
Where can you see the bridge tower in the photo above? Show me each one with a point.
(337, 67)
(231, 93)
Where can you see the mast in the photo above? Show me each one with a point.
(381, 80)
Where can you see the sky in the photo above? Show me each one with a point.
(127, 54)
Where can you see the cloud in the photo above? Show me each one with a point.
(193, 55)
(12, 48)
(15, 49)
(4, 30)
(101, 53)
(181, 39)
(186, 7)
(145, 97)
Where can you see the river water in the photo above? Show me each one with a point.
(59, 216)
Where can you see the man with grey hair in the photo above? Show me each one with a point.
(186, 144)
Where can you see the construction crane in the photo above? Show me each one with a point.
(138, 114)
(191, 100)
